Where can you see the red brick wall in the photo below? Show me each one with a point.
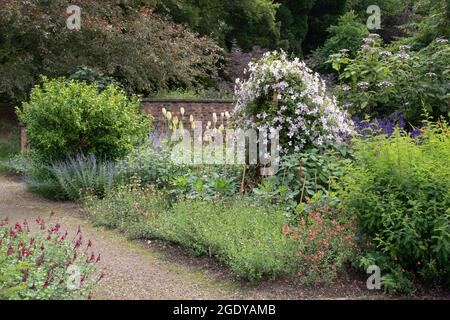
(202, 110)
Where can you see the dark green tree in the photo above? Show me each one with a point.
(293, 18)
(122, 39)
(248, 23)
(323, 14)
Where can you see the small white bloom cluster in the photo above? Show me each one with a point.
(285, 96)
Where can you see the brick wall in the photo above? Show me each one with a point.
(202, 110)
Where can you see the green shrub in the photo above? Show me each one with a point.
(37, 175)
(380, 81)
(37, 265)
(399, 188)
(301, 176)
(66, 118)
(152, 167)
(126, 208)
(71, 179)
(346, 35)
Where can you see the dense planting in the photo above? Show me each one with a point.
(44, 263)
(399, 188)
(254, 241)
(362, 177)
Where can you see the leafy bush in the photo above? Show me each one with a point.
(66, 118)
(151, 166)
(93, 76)
(346, 35)
(71, 179)
(126, 208)
(431, 22)
(303, 114)
(399, 188)
(37, 175)
(38, 265)
(380, 81)
(246, 237)
(301, 176)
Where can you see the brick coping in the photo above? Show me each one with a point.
(225, 101)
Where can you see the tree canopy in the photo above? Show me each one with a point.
(122, 39)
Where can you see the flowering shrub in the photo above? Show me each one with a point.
(44, 264)
(285, 95)
(325, 242)
(399, 188)
(382, 80)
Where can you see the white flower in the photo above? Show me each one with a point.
(304, 116)
(363, 85)
(404, 47)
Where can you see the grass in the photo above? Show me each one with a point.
(9, 145)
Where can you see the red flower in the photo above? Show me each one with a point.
(18, 227)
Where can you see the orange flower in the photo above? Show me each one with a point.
(286, 230)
